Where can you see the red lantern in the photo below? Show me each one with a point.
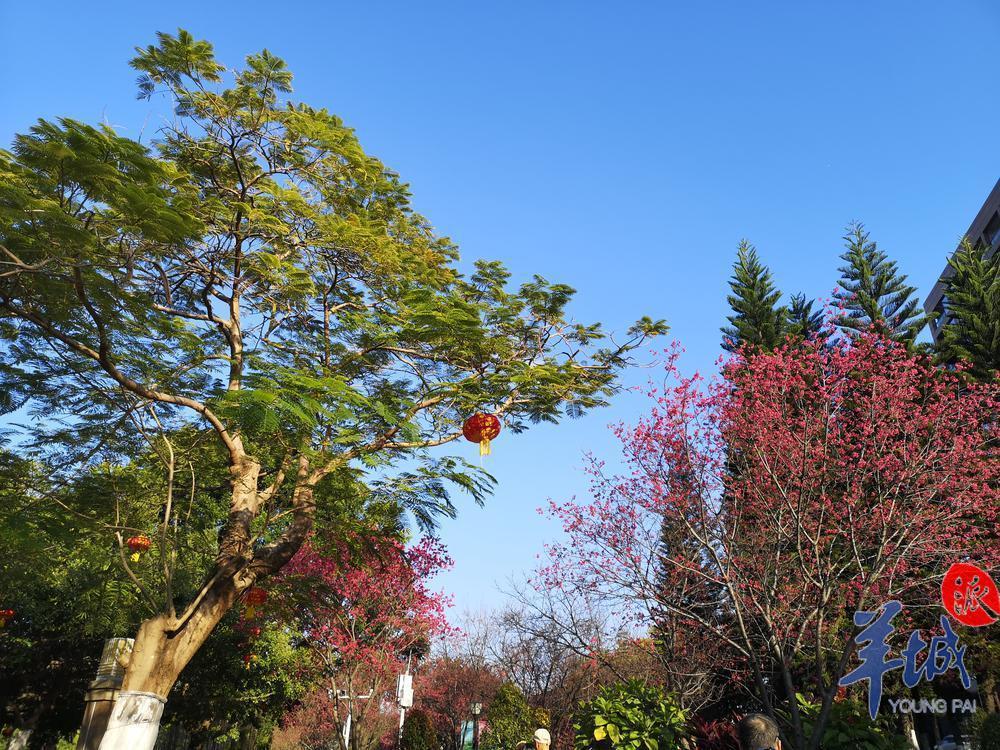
(254, 598)
(481, 428)
(6, 615)
(138, 545)
(8, 732)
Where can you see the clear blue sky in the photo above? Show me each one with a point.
(623, 148)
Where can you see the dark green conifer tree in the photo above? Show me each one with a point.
(802, 321)
(757, 320)
(972, 330)
(873, 293)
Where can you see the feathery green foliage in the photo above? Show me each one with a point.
(971, 331)
(756, 321)
(873, 293)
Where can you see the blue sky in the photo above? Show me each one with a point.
(623, 148)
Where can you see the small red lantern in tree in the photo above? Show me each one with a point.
(6, 615)
(481, 428)
(254, 598)
(138, 544)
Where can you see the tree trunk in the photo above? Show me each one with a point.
(163, 647)
(166, 643)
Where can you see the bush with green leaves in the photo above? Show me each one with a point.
(849, 727)
(509, 719)
(632, 716)
(989, 732)
(418, 732)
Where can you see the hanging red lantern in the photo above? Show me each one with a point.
(138, 544)
(254, 598)
(481, 428)
(6, 615)
(255, 632)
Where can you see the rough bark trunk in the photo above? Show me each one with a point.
(159, 656)
(166, 643)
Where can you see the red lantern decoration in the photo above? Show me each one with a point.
(481, 428)
(6, 615)
(138, 545)
(254, 598)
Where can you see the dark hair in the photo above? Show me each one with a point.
(758, 732)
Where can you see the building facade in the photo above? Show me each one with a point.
(984, 232)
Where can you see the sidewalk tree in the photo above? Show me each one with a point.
(361, 606)
(259, 277)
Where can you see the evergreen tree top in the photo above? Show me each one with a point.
(971, 333)
(873, 293)
(756, 321)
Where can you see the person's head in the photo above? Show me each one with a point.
(541, 739)
(759, 732)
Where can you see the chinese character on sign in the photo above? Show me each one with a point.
(968, 593)
(944, 653)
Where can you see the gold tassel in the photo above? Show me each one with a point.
(134, 557)
(484, 447)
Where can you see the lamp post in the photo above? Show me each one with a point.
(477, 708)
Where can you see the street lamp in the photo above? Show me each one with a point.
(477, 708)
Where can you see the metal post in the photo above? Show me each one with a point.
(103, 691)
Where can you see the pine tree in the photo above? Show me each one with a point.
(873, 292)
(757, 321)
(972, 331)
(802, 322)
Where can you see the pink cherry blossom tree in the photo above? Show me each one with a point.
(364, 606)
(758, 511)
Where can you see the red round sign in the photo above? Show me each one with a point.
(970, 595)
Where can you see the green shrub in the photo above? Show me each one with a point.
(989, 732)
(849, 728)
(630, 716)
(418, 732)
(508, 720)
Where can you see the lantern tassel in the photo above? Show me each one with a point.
(134, 557)
(484, 447)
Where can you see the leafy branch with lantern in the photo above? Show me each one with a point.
(255, 283)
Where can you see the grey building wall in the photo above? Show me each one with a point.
(984, 232)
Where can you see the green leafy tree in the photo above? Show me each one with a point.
(261, 280)
(756, 320)
(873, 293)
(802, 321)
(630, 715)
(971, 333)
(509, 719)
(418, 732)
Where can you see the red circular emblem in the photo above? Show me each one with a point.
(970, 595)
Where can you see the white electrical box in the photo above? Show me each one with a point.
(404, 690)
